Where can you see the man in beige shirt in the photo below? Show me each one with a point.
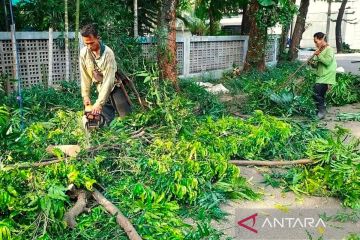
(99, 57)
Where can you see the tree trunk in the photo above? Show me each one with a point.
(211, 19)
(338, 26)
(5, 16)
(328, 19)
(167, 42)
(136, 28)
(245, 24)
(255, 57)
(67, 55)
(299, 29)
(283, 41)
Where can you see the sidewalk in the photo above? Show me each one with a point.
(343, 60)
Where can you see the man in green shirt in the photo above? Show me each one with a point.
(325, 63)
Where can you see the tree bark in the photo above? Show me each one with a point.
(283, 41)
(270, 163)
(298, 29)
(211, 19)
(245, 24)
(120, 218)
(338, 26)
(255, 57)
(167, 46)
(77, 209)
(5, 16)
(284, 38)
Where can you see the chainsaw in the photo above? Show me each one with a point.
(93, 121)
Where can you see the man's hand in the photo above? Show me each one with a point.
(86, 101)
(317, 52)
(96, 110)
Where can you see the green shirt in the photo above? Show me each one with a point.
(326, 66)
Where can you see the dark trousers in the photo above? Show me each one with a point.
(319, 95)
(117, 103)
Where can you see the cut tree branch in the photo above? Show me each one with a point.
(30, 165)
(77, 209)
(270, 163)
(123, 222)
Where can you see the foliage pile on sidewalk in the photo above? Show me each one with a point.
(274, 93)
(335, 172)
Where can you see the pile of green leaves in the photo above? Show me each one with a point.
(263, 92)
(346, 89)
(178, 169)
(156, 182)
(335, 172)
(273, 93)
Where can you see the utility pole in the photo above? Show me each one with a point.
(67, 53)
(136, 26)
(16, 65)
(328, 20)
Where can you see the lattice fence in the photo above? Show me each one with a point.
(149, 52)
(195, 55)
(33, 59)
(212, 55)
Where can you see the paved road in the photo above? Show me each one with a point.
(343, 60)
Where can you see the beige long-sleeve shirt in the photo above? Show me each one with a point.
(107, 64)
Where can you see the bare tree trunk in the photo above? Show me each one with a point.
(283, 41)
(328, 19)
(255, 57)
(245, 23)
(298, 29)
(136, 27)
(284, 38)
(5, 16)
(338, 26)
(211, 19)
(67, 54)
(167, 43)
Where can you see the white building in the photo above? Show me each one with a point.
(317, 18)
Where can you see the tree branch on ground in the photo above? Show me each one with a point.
(123, 222)
(270, 163)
